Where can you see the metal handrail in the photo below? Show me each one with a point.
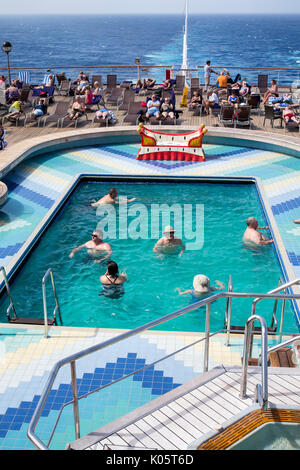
(56, 309)
(262, 392)
(11, 305)
(228, 310)
(71, 359)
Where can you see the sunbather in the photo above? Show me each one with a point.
(3, 143)
(15, 111)
(104, 114)
(289, 115)
(196, 100)
(148, 84)
(78, 109)
(12, 93)
(166, 85)
(88, 95)
(212, 101)
(244, 90)
(233, 98)
(153, 107)
(167, 109)
(80, 89)
(40, 109)
(272, 91)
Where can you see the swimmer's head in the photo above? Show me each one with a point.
(169, 231)
(201, 283)
(112, 268)
(97, 234)
(113, 192)
(252, 222)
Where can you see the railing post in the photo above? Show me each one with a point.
(229, 307)
(207, 331)
(45, 308)
(8, 290)
(75, 399)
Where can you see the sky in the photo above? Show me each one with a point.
(154, 6)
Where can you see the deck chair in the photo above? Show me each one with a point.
(272, 116)
(129, 95)
(111, 83)
(29, 118)
(262, 83)
(104, 122)
(291, 126)
(116, 96)
(64, 87)
(254, 102)
(3, 103)
(226, 115)
(195, 86)
(24, 95)
(133, 110)
(179, 84)
(24, 77)
(243, 116)
(60, 111)
(97, 78)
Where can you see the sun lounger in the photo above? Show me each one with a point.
(116, 96)
(60, 111)
(111, 83)
(272, 116)
(64, 87)
(262, 83)
(97, 78)
(179, 84)
(129, 96)
(243, 116)
(133, 109)
(226, 115)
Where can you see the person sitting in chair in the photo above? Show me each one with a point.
(78, 109)
(40, 109)
(272, 91)
(289, 115)
(196, 101)
(153, 107)
(167, 109)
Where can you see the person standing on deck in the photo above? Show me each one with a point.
(207, 73)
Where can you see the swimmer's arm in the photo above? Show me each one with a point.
(263, 228)
(182, 249)
(78, 248)
(98, 203)
(220, 286)
(109, 251)
(158, 244)
(296, 221)
(184, 292)
(125, 200)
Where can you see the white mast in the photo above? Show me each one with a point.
(184, 64)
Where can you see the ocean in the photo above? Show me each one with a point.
(82, 41)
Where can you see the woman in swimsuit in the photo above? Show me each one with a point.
(272, 91)
(112, 282)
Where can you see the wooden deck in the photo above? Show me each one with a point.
(178, 418)
(187, 119)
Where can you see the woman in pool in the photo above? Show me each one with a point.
(201, 287)
(112, 282)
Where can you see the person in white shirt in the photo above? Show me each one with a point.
(212, 101)
(207, 73)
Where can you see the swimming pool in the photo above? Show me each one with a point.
(150, 291)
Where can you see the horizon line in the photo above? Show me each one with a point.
(151, 13)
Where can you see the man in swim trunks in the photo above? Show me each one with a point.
(252, 234)
(110, 198)
(96, 247)
(169, 244)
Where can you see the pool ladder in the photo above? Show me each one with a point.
(34, 321)
(274, 323)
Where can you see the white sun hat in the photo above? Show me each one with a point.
(201, 283)
(169, 229)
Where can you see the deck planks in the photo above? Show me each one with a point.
(203, 408)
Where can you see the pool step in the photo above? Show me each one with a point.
(256, 329)
(31, 321)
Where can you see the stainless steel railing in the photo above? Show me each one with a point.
(56, 308)
(71, 359)
(11, 305)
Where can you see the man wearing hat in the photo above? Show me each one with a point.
(169, 244)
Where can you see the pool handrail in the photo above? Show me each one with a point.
(56, 308)
(97, 347)
(11, 305)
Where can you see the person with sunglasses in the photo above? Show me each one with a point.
(96, 247)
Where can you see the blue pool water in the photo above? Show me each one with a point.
(150, 291)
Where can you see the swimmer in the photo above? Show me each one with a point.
(112, 282)
(169, 243)
(95, 247)
(253, 235)
(296, 221)
(201, 287)
(110, 198)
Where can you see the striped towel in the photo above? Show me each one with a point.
(24, 76)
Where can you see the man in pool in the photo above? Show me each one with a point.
(169, 244)
(96, 247)
(111, 198)
(252, 234)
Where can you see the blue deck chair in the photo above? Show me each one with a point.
(24, 76)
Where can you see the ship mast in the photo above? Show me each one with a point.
(184, 64)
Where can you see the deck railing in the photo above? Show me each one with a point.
(286, 76)
(71, 360)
